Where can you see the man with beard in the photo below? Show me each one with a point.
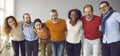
(91, 24)
(31, 43)
(57, 28)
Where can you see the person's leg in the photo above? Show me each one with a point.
(106, 50)
(77, 49)
(15, 45)
(96, 47)
(35, 47)
(115, 49)
(49, 51)
(69, 49)
(86, 47)
(60, 49)
(28, 48)
(54, 48)
(42, 46)
(22, 47)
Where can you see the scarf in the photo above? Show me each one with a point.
(105, 18)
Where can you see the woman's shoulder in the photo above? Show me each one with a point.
(20, 22)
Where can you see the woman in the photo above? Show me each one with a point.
(13, 29)
(41, 30)
(75, 33)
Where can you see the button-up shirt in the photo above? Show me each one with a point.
(112, 25)
(29, 33)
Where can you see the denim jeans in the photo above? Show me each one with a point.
(58, 48)
(91, 44)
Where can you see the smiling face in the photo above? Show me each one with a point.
(88, 12)
(73, 16)
(104, 8)
(53, 15)
(11, 22)
(26, 18)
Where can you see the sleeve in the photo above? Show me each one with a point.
(81, 32)
(118, 17)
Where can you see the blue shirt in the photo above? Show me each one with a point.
(29, 33)
(112, 26)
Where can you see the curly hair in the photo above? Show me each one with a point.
(78, 12)
(6, 26)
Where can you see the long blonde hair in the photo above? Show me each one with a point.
(6, 27)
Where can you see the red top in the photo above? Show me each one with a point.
(91, 28)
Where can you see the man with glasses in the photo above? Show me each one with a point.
(110, 30)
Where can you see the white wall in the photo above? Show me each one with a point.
(40, 8)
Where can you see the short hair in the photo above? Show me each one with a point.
(105, 3)
(53, 10)
(26, 14)
(78, 12)
(88, 5)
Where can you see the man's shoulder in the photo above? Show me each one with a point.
(48, 21)
(116, 13)
(96, 16)
(62, 19)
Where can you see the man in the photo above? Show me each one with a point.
(110, 30)
(31, 38)
(91, 24)
(57, 27)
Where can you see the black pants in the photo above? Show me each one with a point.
(112, 49)
(18, 44)
(32, 48)
(73, 49)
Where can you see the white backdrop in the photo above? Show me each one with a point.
(41, 8)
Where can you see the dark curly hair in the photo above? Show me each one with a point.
(78, 12)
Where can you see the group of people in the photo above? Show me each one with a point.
(58, 34)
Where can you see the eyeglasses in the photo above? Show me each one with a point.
(103, 7)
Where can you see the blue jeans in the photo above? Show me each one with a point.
(58, 48)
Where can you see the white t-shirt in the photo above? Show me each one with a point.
(74, 33)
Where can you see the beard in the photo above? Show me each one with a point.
(88, 16)
(28, 22)
(54, 19)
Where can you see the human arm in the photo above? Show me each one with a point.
(4, 44)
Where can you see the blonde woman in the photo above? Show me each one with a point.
(13, 29)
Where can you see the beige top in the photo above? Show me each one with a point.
(15, 34)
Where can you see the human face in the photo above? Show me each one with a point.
(54, 16)
(73, 16)
(88, 12)
(11, 22)
(104, 8)
(27, 19)
(38, 25)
